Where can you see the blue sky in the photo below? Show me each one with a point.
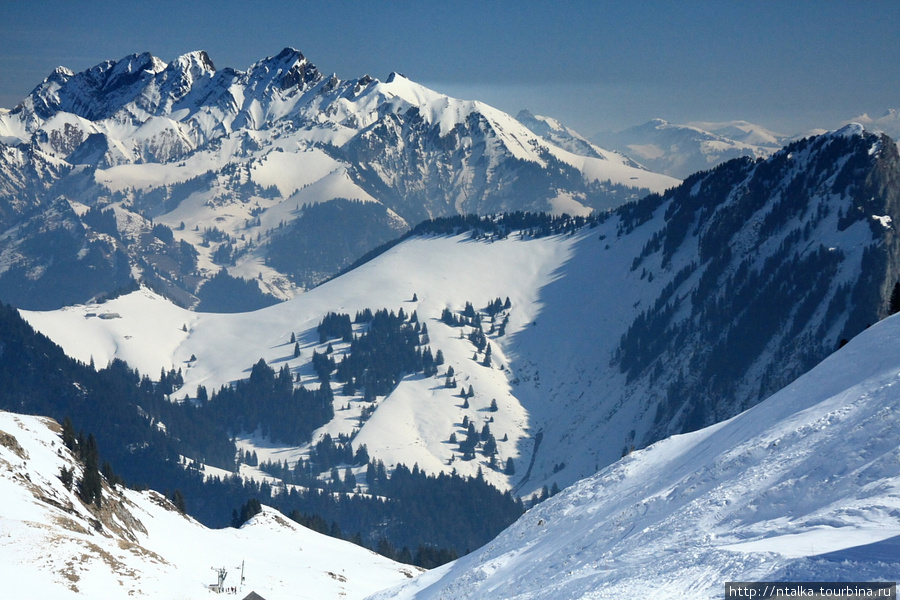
(596, 66)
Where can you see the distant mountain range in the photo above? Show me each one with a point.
(888, 123)
(680, 150)
(170, 173)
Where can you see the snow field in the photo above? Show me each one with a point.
(413, 424)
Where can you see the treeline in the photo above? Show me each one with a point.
(326, 455)
(411, 508)
(530, 224)
(122, 409)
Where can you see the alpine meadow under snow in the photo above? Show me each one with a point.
(412, 317)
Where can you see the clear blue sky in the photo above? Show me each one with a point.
(788, 65)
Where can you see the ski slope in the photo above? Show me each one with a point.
(803, 487)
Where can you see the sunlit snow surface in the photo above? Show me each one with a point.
(803, 487)
(412, 425)
(51, 546)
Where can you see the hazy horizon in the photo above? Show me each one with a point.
(594, 66)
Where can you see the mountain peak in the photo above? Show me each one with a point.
(290, 52)
(524, 114)
(61, 72)
(850, 130)
(286, 70)
(394, 75)
(197, 58)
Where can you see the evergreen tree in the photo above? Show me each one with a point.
(490, 447)
(895, 299)
(362, 455)
(66, 476)
(68, 435)
(178, 501)
(91, 488)
(249, 510)
(349, 479)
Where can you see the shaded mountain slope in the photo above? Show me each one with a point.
(803, 487)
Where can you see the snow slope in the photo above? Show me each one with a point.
(803, 487)
(413, 423)
(139, 546)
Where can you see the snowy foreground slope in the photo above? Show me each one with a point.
(803, 487)
(139, 546)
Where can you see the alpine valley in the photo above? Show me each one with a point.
(455, 316)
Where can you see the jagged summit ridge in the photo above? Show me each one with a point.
(142, 85)
(237, 155)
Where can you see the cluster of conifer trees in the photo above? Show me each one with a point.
(390, 347)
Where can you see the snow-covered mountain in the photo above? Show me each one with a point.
(138, 545)
(229, 166)
(666, 316)
(888, 123)
(680, 150)
(558, 134)
(803, 487)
